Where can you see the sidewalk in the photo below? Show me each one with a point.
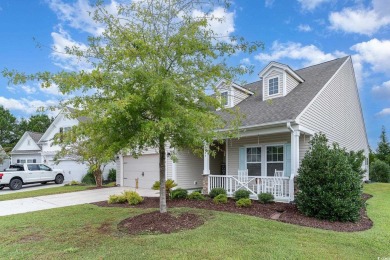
(11, 207)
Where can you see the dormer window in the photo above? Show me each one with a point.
(225, 98)
(273, 86)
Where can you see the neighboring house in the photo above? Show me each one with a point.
(283, 110)
(27, 149)
(37, 147)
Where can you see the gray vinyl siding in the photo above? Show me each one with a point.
(291, 83)
(336, 111)
(303, 146)
(238, 96)
(235, 144)
(273, 74)
(215, 163)
(189, 169)
(169, 168)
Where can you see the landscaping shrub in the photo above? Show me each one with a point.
(133, 198)
(169, 185)
(111, 175)
(330, 186)
(242, 194)
(220, 199)
(196, 196)
(117, 199)
(217, 191)
(179, 194)
(266, 198)
(89, 178)
(379, 171)
(244, 203)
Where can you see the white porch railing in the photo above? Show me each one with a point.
(281, 187)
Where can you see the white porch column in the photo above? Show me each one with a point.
(206, 160)
(121, 170)
(295, 152)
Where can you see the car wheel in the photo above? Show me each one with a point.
(15, 184)
(2, 187)
(45, 182)
(59, 179)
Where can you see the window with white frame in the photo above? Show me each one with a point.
(225, 98)
(253, 161)
(26, 161)
(273, 86)
(275, 159)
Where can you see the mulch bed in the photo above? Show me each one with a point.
(283, 212)
(156, 222)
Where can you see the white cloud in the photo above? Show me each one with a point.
(361, 21)
(79, 14)
(382, 91)
(384, 112)
(61, 41)
(304, 28)
(52, 90)
(246, 61)
(374, 52)
(27, 106)
(310, 5)
(29, 89)
(221, 21)
(309, 54)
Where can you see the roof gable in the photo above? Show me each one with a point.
(28, 142)
(280, 67)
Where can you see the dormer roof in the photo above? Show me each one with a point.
(280, 66)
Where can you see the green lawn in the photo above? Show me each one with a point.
(42, 192)
(89, 232)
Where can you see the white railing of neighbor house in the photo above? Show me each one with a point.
(280, 187)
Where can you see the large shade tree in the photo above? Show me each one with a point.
(8, 127)
(151, 72)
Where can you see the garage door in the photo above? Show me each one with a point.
(73, 171)
(145, 168)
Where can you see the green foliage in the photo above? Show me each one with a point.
(117, 199)
(383, 150)
(133, 198)
(379, 171)
(196, 196)
(266, 198)
(220, 199)
(8, 124)
(330, 186)
(242, 194)
(217, 191)
(179, 194)
(111, 175)
(169, 185)
(88, 178)
(244, 203)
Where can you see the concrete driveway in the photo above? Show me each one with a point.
(11, 207)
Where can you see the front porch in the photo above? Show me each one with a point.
(251, 161)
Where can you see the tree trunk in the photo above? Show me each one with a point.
(98, 177)
(163, 198)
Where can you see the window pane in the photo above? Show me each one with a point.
(280, 157)
(271, 167)
(259, 150)
(258, 158)
(254, 169)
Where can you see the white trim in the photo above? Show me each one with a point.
(283, 67)
(275, 94)
(322, 90)
(174, 172)
(284, 84)
(227, 156)
(269, 72)
(235, 85)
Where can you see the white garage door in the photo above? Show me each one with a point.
(73, 171)
(145, 168)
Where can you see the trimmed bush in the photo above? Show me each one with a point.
(244, 203)
(196, 196)
(117, 199)
(89, 179)
(220, 199)
(169, 185)
(266, 198)
(133, 198)
(179, 194)
(111, 175)
(217, 191)
(242, 194)
(379, 171)
(329, 183)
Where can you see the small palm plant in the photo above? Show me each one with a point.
(169, 185)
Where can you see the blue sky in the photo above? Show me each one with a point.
(295, 32)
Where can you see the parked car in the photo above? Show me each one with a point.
(18, 175)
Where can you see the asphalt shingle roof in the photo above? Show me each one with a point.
(35, 136)
(290, 106)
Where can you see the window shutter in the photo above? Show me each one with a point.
(287, 160)
(242, 159)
